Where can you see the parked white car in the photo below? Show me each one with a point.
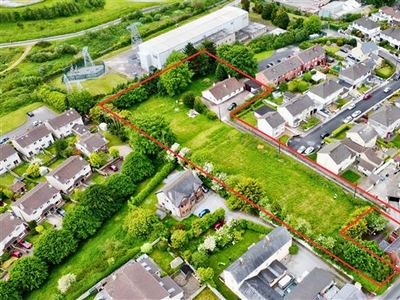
(356, 113)
(351, 106)
(348, 119)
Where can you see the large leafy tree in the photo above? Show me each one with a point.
(139, 222)
(98, 199)
(54, 245)
(249, 188)
(210, 63)
(127, 100)
(28, 273)
(178, 78)
(157, 128)
(81, 222)
(137, 166)
(120, 186)
(239, 56)
(199, 64)
(281, 18)
(313, 24)
(81, 101)
(8, 291)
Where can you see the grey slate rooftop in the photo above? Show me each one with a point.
(386, 115)
(225, 87)
(69, 168)
(257, 288)
(366, 23)
(298, 105)
(80, 129)
(6, 151)
(92, 142)
(369, 47)
(65, 118)
(311, 53)
(393, 32)
(349, 292)
(33, 135)
(275, 119)
(355, 71)
(8, 224)
(365, 132)
(263, 110)
(326, 88)
(337, 151)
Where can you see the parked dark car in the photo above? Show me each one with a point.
(232, 106)
(204, 212)
(324, 135)
(4, 139)
(16, 253)
(30, 114)
(396, 77)
(367, 96)
(343, 49)
(25, 244)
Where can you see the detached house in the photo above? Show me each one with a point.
(180, 194)
(70, 174)
(223, 90)
(32, 142)
(298, 110)
(61, 126)
(387, 13)
(272, 124)
(363, 134)
(36, 204)
(367, 27)
(325, 93)
(355, 75)
(363, 51)
(255, 272)
(385, 120)
(392, 36)
(335, 157)
(9, 158)
(12, 229)
(92, 143)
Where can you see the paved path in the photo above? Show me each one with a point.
(26, 52)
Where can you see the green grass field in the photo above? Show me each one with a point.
(264, 55)
(9, 55)
(16, 118)
(351, 176)
(104, 84)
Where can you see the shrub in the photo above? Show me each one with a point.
(294, 249)
(199, 106)
(146, 248)
(211, 115)
(65, 282)
(188, 99)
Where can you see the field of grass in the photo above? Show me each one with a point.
(16, 118)
(332, 49)
(206, 294)
(263, 55)
(351, 176)
(9, 55)
(11, 32)
(104, 84)
(7, 179)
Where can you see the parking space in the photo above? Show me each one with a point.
(54, 220)
(211, 201)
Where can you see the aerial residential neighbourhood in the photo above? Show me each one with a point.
(200, 149)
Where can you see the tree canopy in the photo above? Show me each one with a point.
(239, 56)
(98, 199)
(313, 24)
(139, 222)
(137, 166)
(81, 101)
(81, 222)
(249, 188)
(120, 186)
(28, 273)
(8, 291)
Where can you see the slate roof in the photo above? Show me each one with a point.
(92, 142)
(258, 253)
(263, 110)
(225, 87)
(355, 71)
(182, 186)
(69, 168)
(8, 224)
(252, 83)
(337, 151)
(326, 88)
(311, 53)
(365, 132)
(273, 271)
(372, 157)
(275, 119)
(393, 32)
(391, 12)
(289, 95)
(299, 105)
(311, 285)
(366, 23)
(366, 165)
(349, 292)
(386, 115)
(65, 118)
(80, 129)
(257, 288)
(274, 72)
(353, 146)
(33, 135)
(36, 197)
(369, 47)
(6, 151)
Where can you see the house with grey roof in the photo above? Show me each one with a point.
(385, 120)
(350, 292)
(335, 157)
(92, 143)
(253, 275)
(387, 13)
(9, 158)
(61, 126)
(12, 230)
(298, 110)
(181, 193)
(140, 279)
(69, 174)
(313, 286)
(37, 203)
(392, 36)
(80, 130)
(262, 112)
(355, 75)
(368, 28)
(326, 93)
(312, 57)
(223, 90)
(33, 141)
(363, 134)
(364, 50)
(273, 124)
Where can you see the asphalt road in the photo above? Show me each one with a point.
(313, 139)
(278, 54)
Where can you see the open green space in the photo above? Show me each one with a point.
(16, 118)
(332, 48)
(206, 294)
(386, 71)
(104, 84)
(113, 140)
(351, 176)
(7, 179)
(362, 89)
(263, 55)
(9, 55)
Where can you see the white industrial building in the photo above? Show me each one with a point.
(156, 51)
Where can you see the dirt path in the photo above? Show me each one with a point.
(26, 52)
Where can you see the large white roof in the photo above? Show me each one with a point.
(187, 32)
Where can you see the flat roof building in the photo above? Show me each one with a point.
(156, 51)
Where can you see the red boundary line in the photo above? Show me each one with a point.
(232, 114)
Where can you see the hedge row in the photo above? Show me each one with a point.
(341, 129)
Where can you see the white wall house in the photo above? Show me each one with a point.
(91, 143)
(335, 157)
(367, 27)
(37, 203)
(355, 75)
(223, 90)
(325, 93)
(33, 141)
(296, 111)
(272, 125)
(70, 174)
(61, 126)
(387, 13)
(363, 51)
(392, 36)
(363, 134)
(9, 158)
(385, 120)
(12, 229)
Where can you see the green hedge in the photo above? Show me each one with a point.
(341, 129)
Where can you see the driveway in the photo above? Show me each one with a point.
(42, 113)
(124, 150)
(55, 220)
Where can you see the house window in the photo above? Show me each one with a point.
(40, 140)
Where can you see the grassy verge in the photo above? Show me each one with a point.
(9, 55)
(263, 55)
(7, 179)
(16, 118)
(104, 84)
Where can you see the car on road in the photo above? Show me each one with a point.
(324, 134)
(204, 188)
(61, 212)
(396, 77)
(4, 139)
(232, 106)
(367, 96)
(219, 224)
(387, 90)
(348, 119)
(16, 253)
(309, 150)
(30, 114)
(356, 113)
(351, 106)
(114, 168)
(204, 212)
(37, 122)
(301, 149)
(25, 244)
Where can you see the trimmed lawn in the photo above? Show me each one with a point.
(311, 122)
(396, 141)
(264, 55)
(362, 89)
(56, 163)
(332, 49)
(16, 118)
(97, 178)
(163, 259)
(113, 140)
(7, 179)
(351, 176)
(206, 294)
(104, 84)
(20, 170)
